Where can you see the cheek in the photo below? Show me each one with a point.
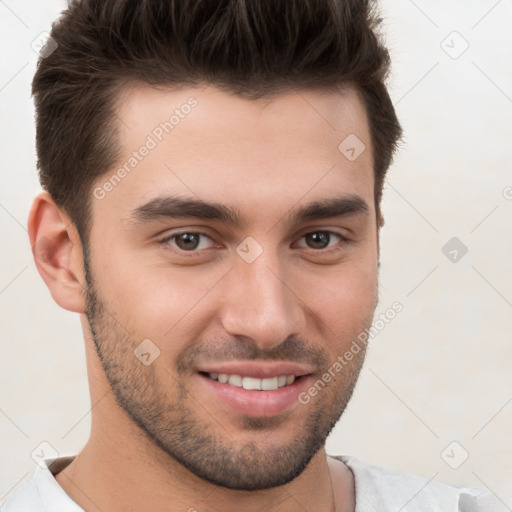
(156, 301)
(343, 301)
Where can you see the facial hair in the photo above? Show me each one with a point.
(172, 421)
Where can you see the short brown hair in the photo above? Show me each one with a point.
(250, 48)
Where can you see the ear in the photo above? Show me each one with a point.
(57, 253)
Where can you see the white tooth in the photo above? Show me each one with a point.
(290, 379)
(251, 383)
(269, 384)
(223, 377)
(281, 381)
(235, 380)
(214, 376)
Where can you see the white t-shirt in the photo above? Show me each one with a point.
(377, 490)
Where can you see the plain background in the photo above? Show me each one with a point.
(439, 372)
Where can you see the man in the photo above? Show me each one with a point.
(213, 174)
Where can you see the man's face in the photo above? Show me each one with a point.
(181, 295)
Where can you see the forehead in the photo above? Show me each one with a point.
(214, 145)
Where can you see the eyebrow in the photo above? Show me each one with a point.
(181, 207)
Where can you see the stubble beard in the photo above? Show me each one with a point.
(176, 427)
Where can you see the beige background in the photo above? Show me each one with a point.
(440, 371)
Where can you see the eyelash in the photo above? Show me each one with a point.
(195, 252)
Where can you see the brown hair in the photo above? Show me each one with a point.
(251, 48)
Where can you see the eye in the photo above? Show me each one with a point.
(188, 241)
(322, 239)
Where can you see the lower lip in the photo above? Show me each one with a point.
(262, 404)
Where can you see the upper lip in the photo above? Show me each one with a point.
(255, 369)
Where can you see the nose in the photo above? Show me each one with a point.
(260, 303)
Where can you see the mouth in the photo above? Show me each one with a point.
(252, 383)
(254, 389)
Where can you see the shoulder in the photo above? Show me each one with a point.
(25, 499)
(383, 490)
(42, 493)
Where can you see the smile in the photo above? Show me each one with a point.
(252, 383)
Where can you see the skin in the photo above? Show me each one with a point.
(296, 302)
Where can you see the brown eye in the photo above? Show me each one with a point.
(188, 241)
(318, 239)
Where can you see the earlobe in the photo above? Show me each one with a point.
(57, 253)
